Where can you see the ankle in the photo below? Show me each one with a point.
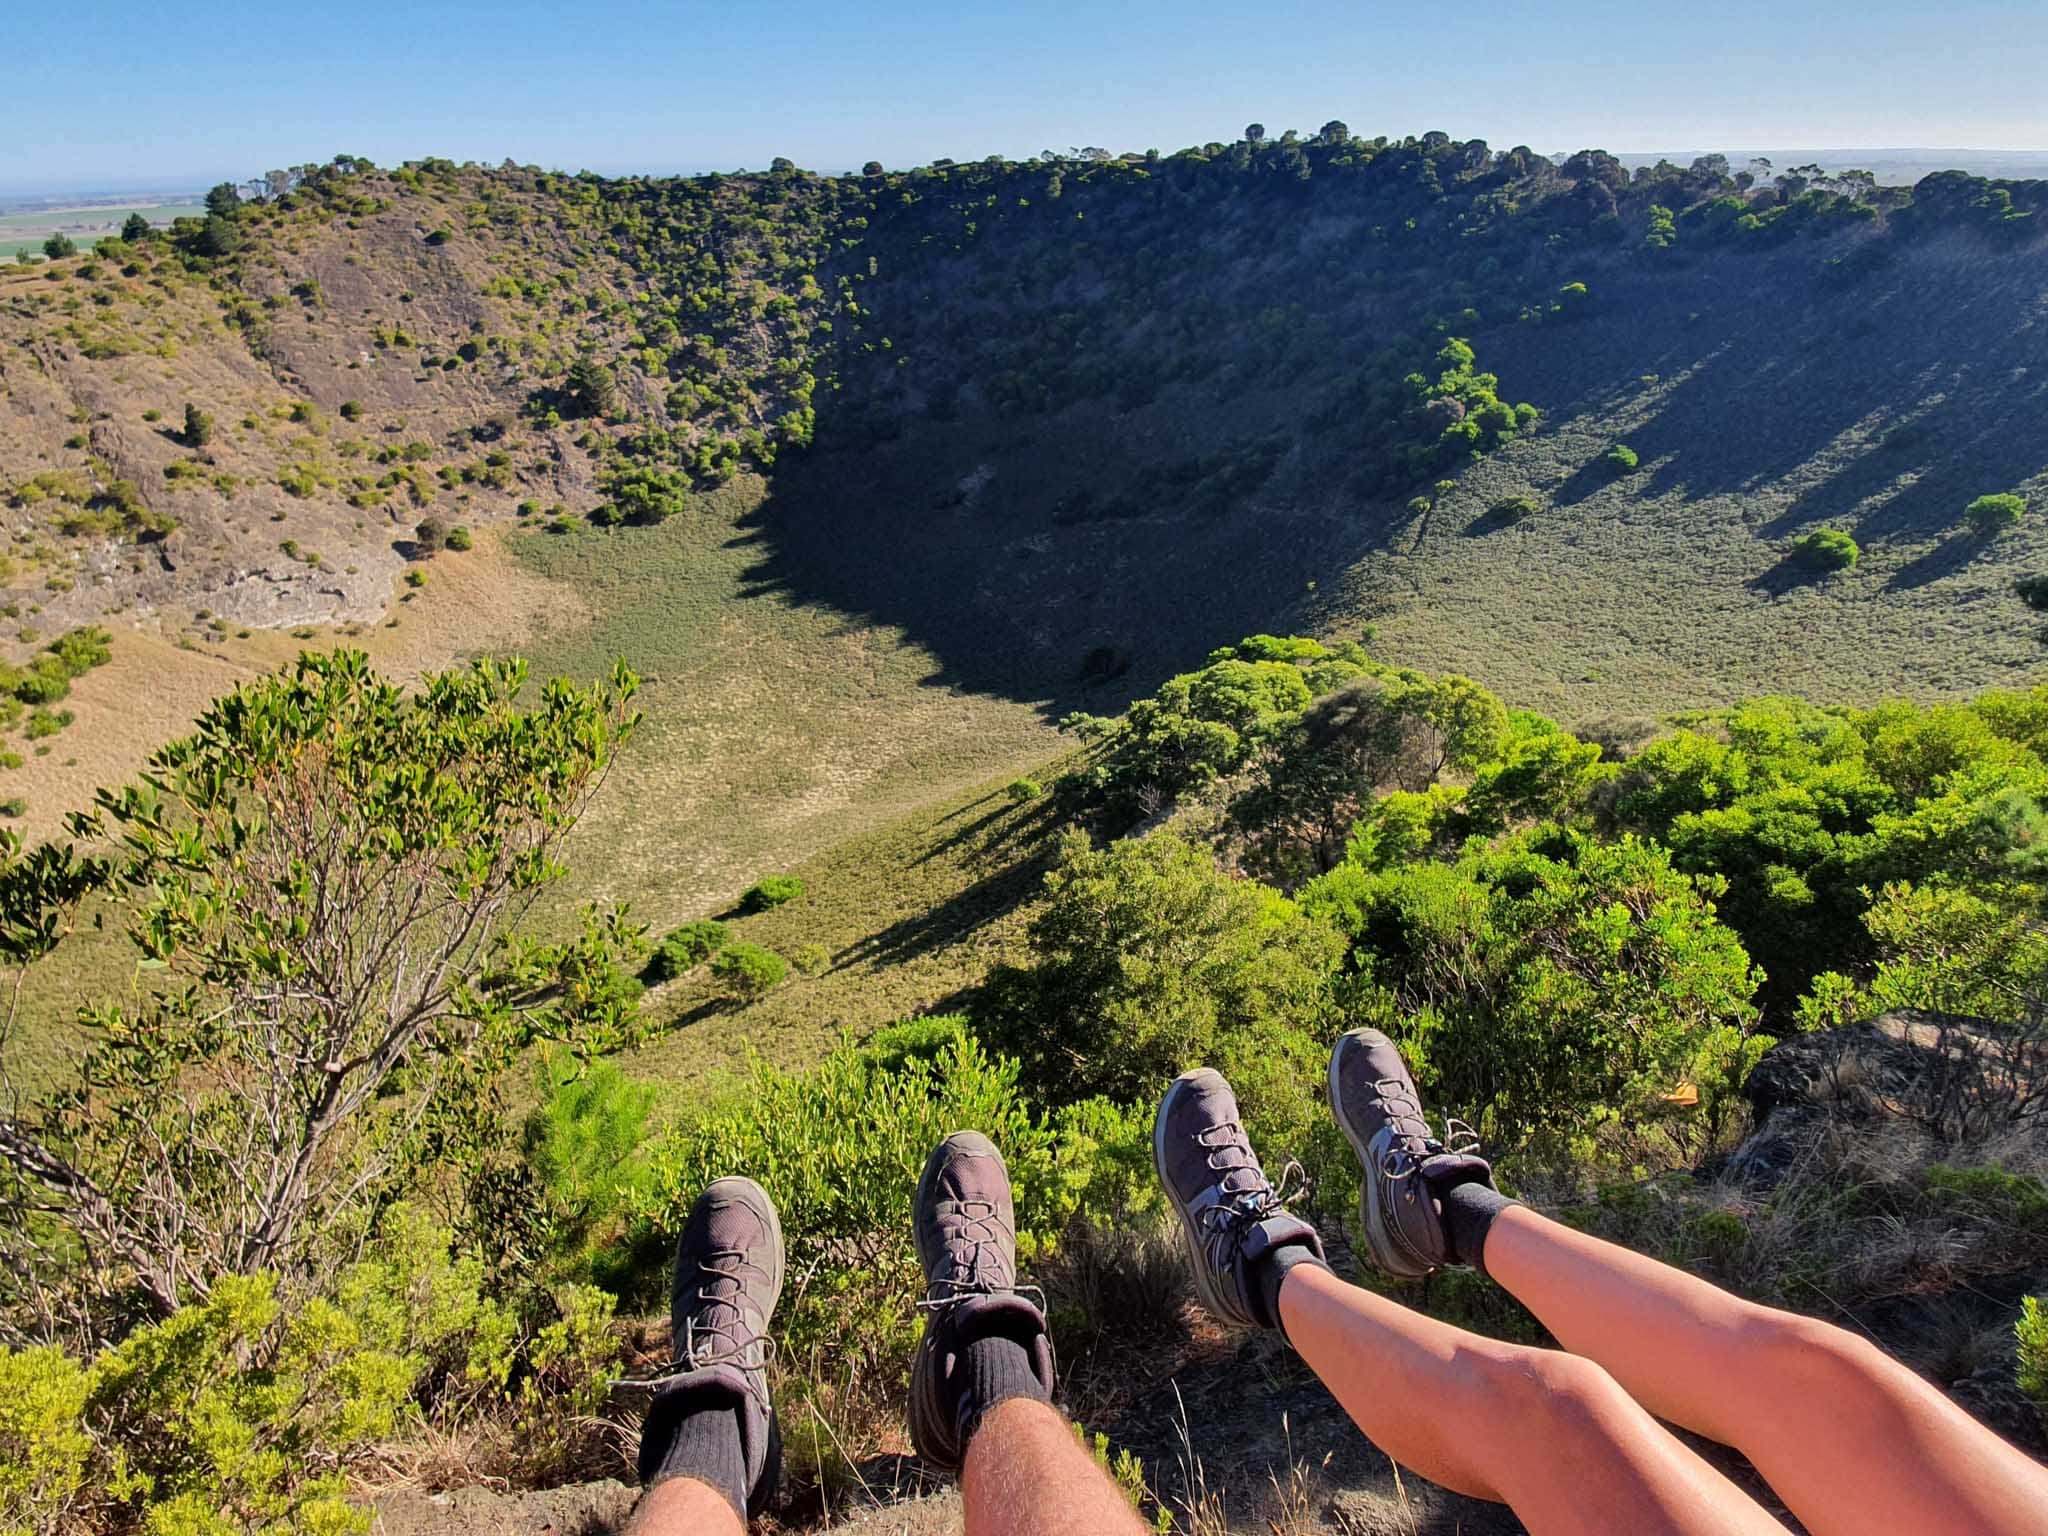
(1270, 1273)
(695, 1434)
(993, 1370)
(1468, 1209)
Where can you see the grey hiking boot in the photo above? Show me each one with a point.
(1229, 1209)
(1406, 1168)
(966, 1227)
(728, 1277)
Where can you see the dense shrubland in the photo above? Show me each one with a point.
(1583, 957)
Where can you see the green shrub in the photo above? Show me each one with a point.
(2032, 1333)
(749, 970)
(415, 578)
(839, 1149)
(198, 427)
(771, 891)
(45, 1446)
(1826, 549)
(1021, 790)
(460, 539)
(686, 948)
(1995, 513)
(351, 410)
(812, 959)
(2033, 590)
(582, 1144)
(1620, 458)
(13, 807)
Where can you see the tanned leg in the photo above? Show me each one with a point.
(1851, 1440)
(1547, 1433)
(1028, 1474)
(682, 1506)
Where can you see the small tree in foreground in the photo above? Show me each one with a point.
(1994, 514)
(324, 885)
(57, 247)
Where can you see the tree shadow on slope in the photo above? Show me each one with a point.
(1886, 408)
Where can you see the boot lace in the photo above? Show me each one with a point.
(1248, 1196)
(1411, 1149)
(974, 1260)
(716, 1331)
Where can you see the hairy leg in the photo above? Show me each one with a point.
(682, 1506)
(1547, 1433)
(1850, 1439)
(1027, 1474)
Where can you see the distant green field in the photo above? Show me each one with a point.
(27, 231)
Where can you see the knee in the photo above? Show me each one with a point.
(1559, 1385)
(1777, 1345)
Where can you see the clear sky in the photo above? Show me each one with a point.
(105, 91)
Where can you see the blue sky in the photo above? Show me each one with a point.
(101, 92)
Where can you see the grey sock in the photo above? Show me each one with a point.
(1468, 1210)
(1272, 1270)
(697, 1436)
(992, 1370)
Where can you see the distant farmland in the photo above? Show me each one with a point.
(27, 231)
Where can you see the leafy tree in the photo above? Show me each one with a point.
(1147, 959)
(59, 246)
(324, 885)
(1550, 985)
(223, 201)
(1995, 513)
(1620, 458)
(872, 168)
(429, 534)
(1334, 132)
(1254, 133)
(198, 427)
(460, 539)
(136, 229)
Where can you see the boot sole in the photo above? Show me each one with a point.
(1206, 1286)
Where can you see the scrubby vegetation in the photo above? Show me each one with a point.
(1585, 938)
(1583, 955)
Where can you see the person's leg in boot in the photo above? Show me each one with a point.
(710, 1450)
(981, 1386)
(1850, 1439)
(1544, 1432)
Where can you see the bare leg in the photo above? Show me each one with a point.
(682, 1506)
(1850, 1439)
(1547, 1433)
(1027, 1474)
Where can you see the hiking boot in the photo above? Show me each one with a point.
(1406, 1168)
(728, 1277)
(966, 1228)
(1229, 1209)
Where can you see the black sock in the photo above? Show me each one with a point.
(703, 1443)
(1468, 1210)
(1272, 1269)
(992, 1370)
